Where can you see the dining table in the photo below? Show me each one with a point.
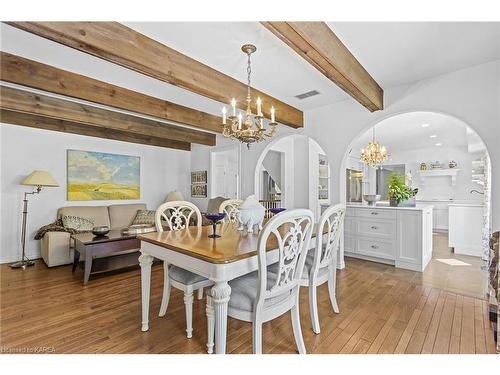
(221, 260)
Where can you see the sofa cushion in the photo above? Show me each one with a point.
(122, 215)
(77, 223)
(144, 217)
(99, 214)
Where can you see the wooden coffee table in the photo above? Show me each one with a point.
(99, 247)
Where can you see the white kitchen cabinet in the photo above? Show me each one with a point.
(466, 224)
(440, 213)
(401, 236)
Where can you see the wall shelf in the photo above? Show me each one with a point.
(451, 172)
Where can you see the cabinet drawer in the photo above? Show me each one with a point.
(376, 248)
(376, 214)
(376, 228)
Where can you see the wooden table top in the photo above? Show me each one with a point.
(233, 245)
(87, 238)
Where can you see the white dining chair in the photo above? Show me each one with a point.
(177, 215)
(321, 262)
(273, 290)
(231, 208)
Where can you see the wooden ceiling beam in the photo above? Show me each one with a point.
(22, 71)
(46, 106)
(47, 123)
(319, 45)
(122, 45)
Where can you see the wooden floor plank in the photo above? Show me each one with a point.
(430, 338)
(443, 335)
(467, 336)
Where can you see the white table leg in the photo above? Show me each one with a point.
(145, 262)
(221, 292)
(210, 323)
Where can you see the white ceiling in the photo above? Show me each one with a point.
(393, 53)
(405, 132)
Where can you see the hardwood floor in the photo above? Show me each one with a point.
(381, 311)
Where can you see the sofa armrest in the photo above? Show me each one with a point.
(56, 249)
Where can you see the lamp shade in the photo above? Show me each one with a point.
(39, 178)
(174, 196)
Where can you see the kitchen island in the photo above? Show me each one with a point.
(401, 236)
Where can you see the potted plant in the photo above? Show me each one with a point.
(398, 191)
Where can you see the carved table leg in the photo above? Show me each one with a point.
(221, 292)
(210, 323)
(145, 261)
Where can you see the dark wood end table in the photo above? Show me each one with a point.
(98, 247)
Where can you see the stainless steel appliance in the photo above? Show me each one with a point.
(354, 185)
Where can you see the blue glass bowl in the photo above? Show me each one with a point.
(214, 217)
(277, 210)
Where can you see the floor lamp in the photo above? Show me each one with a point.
(38, 179)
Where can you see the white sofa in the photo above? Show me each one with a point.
(56, 247)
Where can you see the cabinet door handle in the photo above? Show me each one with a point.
(374, 247)
(374, 213)
(374, 227)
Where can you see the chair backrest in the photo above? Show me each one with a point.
(177, 215)
(292, 230)
(327, 244)
(231, 208)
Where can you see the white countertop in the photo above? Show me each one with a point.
(385, 206)
(466, 204)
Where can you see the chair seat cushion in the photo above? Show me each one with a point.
(184, 276)
(244, 291)
(309, 265)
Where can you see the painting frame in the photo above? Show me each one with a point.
(199, 190)
(199, 177)
(99, 175)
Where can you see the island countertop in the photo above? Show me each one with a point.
(385, 206)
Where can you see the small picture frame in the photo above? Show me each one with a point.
(199, 190)
(199, 177)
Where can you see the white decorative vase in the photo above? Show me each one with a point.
(251, 213)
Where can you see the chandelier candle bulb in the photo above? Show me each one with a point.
(233, 104)
(272, 114)
(240, 117)
(259, 107)
(224, 115)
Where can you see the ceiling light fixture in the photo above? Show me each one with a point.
(433, 136)
(425, 125)
(248, 128)
(374, 154)
(439, 144)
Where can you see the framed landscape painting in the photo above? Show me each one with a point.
(102, 176)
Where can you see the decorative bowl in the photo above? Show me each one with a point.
(100, 231)
(277, 210)
(372, 199)
(214, 217)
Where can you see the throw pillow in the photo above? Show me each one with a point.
(77, 223)
(144, 217)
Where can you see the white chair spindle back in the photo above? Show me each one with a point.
(177, 215)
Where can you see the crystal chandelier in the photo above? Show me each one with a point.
(251, 129)
(374, 154)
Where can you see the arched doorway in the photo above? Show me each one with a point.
(293, 170)
(440, 155)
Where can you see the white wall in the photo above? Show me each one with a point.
(24, 149)
(440, 187)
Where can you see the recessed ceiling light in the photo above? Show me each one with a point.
(432, 136)
(439, 144)
(425, 125)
